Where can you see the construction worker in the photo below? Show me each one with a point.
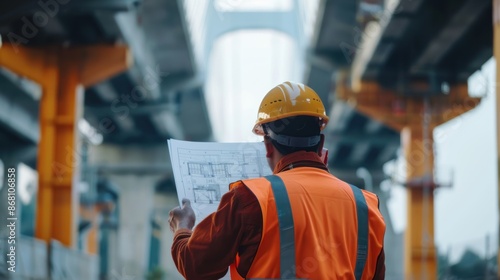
(300, 223)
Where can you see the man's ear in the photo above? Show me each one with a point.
(269, 148)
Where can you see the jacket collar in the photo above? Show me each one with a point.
(299, 159)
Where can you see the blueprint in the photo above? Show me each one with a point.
(203, 170)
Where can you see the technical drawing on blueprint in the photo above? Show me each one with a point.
(203, 171)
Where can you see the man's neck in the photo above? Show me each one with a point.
(297, 159)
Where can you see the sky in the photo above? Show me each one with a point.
(244, 65)
(468, 211)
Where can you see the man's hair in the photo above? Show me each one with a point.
(299, 126)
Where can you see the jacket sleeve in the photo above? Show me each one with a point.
(208, 250)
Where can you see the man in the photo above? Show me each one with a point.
(300, 223)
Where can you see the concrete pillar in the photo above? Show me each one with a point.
(136, 195)
(135, 170)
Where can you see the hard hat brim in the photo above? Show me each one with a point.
(257, 129)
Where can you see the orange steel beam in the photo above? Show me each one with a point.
(62, 72)
(420, 256)
(496, 53)
(91, 214)
(406, 115)
(398, 111)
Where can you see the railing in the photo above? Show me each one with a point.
(35, 260)
(70, 264)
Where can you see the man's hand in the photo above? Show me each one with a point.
(182, 217)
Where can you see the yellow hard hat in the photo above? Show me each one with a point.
(289, 99)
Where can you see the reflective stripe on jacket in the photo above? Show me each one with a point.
(325, 229)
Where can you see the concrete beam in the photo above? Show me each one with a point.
(388, 153)
(107, 92)
(25, 86)
(365, 52)
(377, 40)
(18, 112)
(184, 82)
(142, 109)
(359, 152)
(340, 115)
(16, 9)
(373, 126)
(148, 74)
(144, 62)
(321, 61)
(318, 75)
(172, 50)
(168, 124)
(449, 35)
(194, 116)
(20, 153)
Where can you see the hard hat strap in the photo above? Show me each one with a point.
(293, 141)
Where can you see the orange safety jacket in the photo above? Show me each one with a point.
(315, 226)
